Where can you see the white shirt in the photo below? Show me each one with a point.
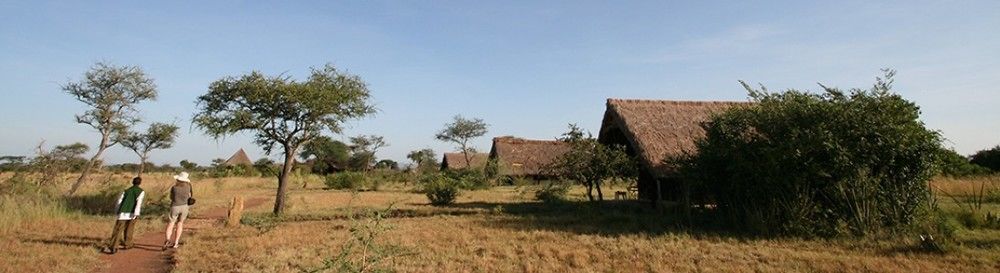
(138, 207)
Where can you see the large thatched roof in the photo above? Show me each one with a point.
(455, 161)
(655, 130)
(518, 156)
(239, 158)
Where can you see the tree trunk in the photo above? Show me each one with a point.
(465, 152)
(600, 194)
(286, 169)
(105, 138)
(590, 191)
(686, 201)
(142, 166)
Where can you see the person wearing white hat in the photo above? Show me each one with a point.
(182, 197)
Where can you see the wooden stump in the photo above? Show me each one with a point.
(235, 212)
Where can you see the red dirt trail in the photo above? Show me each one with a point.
(147, 254)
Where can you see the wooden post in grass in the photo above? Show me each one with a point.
(235, 212)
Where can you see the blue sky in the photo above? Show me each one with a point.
(528, 68)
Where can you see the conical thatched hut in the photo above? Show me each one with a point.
(240, 158)
(655, 130)
(526, 157)
(456, 161)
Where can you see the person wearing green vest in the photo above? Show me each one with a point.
(128, 208)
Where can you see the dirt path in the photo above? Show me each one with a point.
(148, 256)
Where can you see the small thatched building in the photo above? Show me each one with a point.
(240, 158)
(656, 130)
(526, 157)
(456, 161)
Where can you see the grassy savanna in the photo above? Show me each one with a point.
(502, 229)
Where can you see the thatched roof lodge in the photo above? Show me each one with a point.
(526, 157)
(655, 130)
(456, 161)
(240, 158)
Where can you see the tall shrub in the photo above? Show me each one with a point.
(823, 164)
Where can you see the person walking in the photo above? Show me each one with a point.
(129, 207)
(181, 196)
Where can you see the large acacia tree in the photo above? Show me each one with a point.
(282, 112)
(158, 136)
(111, 93)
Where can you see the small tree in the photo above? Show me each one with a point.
(989, 158)
(363, 149)
(61, 159)
(460, 131)
(111, 93)
(327, 155)
(188, 165)
(282, 112)
(590, 163)
(423, 159)
(158, 136)
(387, 164)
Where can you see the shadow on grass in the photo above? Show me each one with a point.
(608, 218)
(77, 241)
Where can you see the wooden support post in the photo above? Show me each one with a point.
(235, 212)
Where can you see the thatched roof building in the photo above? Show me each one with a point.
(526, 157)
(456, 161)
(239, 158)
(655, 130)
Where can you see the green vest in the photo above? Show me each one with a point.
(130, 199)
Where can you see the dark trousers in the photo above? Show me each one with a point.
(126, 228)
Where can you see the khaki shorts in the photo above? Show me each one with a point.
(178, 212)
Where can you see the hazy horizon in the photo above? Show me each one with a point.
(527, 68)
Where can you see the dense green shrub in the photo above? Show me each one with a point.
(347, 180)
(552, 192)
(469, 179)
(825, 164)
(989, 158)
(440, 189)
(956, 165)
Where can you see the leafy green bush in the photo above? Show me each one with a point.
(956, 165)
(347, 180)
(797, 163)
(469, 179)
(440, 189)
(552, 193)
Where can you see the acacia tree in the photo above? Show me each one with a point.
(158, 136)
(460, 131)
(590, 162)
(112, 93)
(364, 148)
(422, 159)
(60, 159)
(327, 154)
(282, 112)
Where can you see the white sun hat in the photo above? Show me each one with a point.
(183, 176)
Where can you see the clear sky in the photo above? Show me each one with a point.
(528, 68)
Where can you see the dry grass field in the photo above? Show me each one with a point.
(497, 230)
